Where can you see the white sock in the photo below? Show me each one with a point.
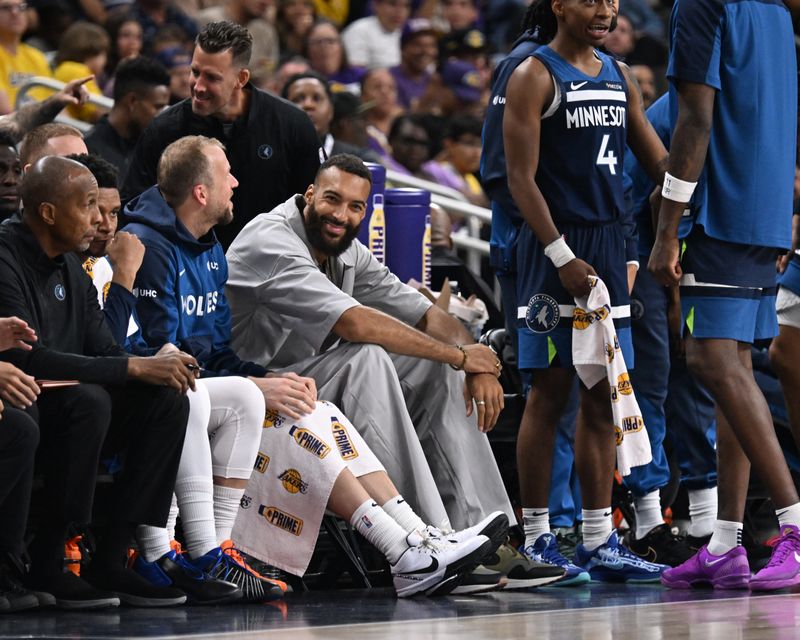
(226, 508)
(402, 513)
(196, 504)
(377, 526)
(172, 518)
(596, 527)
(535, 522)
(702, 511)
(153, 542)
(727, 535)
(648, 513)
(789, 515)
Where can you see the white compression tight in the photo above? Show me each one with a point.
(222, 438)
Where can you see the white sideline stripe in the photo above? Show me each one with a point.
(689, 280)
(622, 311)
(596, 94)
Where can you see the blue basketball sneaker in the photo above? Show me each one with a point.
(545, 550)
(612, 562)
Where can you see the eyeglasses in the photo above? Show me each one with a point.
(14, 8)
(318, 42)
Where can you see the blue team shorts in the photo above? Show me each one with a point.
(728, 290)
(544, 314)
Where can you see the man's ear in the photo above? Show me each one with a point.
(244, 77)
(309, 194)
(200, 193)
(47, 212)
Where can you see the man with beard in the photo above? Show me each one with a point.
(306, 298)
(272, 147)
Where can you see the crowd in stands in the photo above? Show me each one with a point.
(232, 161)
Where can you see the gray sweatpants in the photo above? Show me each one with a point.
(412, 415)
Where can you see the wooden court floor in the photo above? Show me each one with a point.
(596, 612)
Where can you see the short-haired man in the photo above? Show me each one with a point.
(299, 284)
(272, 147)
(141, 91)
(10, 174)
(128, 403)
(51, 139)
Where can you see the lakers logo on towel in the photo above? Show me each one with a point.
(273, 419)
(282, 520)
(343, 443)
(624, 384)
(582, 319)
(262, 462)
(292, 481)
(610, 353)
(618, 435)
(309, 441)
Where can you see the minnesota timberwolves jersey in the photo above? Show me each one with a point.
(583, 137)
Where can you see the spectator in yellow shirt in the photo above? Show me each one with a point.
(18, 62)
(82, 52)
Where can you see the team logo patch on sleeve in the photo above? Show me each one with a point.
(309, 441)
(292, 481)
(273, 419)
(343, 442)
(281, 519)
(542, 314)
(262, 462)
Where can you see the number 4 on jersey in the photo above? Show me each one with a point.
(606, 156)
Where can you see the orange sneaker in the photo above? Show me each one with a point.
(229, 549)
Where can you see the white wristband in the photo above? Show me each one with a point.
(559, 253)
(676, 189)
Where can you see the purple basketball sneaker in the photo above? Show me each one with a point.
(728, 571)
(783, 568)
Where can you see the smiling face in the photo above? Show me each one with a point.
(215, 79)
(587, 21)
(336, 204)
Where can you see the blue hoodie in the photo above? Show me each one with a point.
(180, 290)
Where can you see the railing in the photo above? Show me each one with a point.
(56, 85)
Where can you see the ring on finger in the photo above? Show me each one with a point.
(480, 402)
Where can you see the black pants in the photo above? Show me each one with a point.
(19, 437)
(146, 423)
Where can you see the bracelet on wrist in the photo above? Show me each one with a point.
(463, 351)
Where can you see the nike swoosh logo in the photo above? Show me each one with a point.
(796, 557)
(543, 513)
(606, 514)
(401, 501)
(577, 85)
(650, 555)
(711, 563)
(181, 272)
(429, 569)
(780, 513)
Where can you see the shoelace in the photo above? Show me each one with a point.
(782, 549)
(188, 567)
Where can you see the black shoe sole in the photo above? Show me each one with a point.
(497, 532)
(458, 570)
(100, 603)
(21, 603)
(131, 600)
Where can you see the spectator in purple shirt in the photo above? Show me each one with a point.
(418, 51)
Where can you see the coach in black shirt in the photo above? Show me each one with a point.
(123, 401)
(271, 145)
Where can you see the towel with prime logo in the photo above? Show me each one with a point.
(297, 464)
(596, 354)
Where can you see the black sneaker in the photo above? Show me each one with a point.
(226, 563)
(71, 591)
(568, 539)
(479, 580)
(175, 570)
(131, 588)
(662, 546)
(17, 597)
(697, 542)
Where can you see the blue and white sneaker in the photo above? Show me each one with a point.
(612, 562)
(545, 550)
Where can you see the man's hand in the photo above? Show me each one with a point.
(481, 359)
(173, 369)
(574, 277)
(18, 388)
(665, 263)
(125, 253)
(288, 393)
(632, 270)
(73, 93)
(15, 334)
(487, 393)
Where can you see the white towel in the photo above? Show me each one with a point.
(596, 354)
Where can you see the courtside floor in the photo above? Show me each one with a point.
(597, 612)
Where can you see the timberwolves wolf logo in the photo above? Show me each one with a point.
(542, 314)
